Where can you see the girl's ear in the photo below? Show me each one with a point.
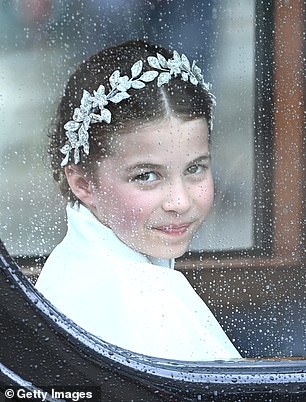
(79, 184)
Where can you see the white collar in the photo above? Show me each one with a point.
(84, 223)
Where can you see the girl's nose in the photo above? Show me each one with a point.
(177, 198)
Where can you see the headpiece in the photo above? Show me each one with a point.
(92, 109)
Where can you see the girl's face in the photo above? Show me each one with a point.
(156, 188)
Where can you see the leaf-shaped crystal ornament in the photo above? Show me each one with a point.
(137, 84)
(71, 126)
(119, 97)
(185, 62)
(76, 155)
(136, 68)
(148, 76)
(163, 78)
(114, 79)
(162, 60)
(175, 64)
(99, 98)
(66, 151)
(106, 116)
(124, 83)
(153, 62)
(92, 109)
(86, 98)
(185, 77)
(72, 144)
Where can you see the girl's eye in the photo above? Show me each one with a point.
(146, 177)
(196, 169)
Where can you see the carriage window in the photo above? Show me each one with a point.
(251, 53)
(42, 44)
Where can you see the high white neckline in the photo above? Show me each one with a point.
(80, 215)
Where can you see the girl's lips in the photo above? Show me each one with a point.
(174, 230)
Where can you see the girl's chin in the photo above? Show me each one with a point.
(160, 249)
(168, 254)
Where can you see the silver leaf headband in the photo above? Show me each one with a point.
(87, 113)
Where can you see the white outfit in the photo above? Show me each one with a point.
(121, 296)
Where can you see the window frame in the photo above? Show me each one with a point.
(278, 116)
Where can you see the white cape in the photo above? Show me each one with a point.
(119, 295)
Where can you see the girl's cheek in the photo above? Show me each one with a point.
(207, 191)
(137, 210)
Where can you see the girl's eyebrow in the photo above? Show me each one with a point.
(143, 165)
(201, 158)
(155, 166)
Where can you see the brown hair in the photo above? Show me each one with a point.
(178, 97)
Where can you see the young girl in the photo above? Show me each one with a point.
(130, 151)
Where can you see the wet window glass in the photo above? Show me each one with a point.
(44, 41)
(253, 237)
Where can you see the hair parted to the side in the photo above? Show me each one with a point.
(178, 98)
